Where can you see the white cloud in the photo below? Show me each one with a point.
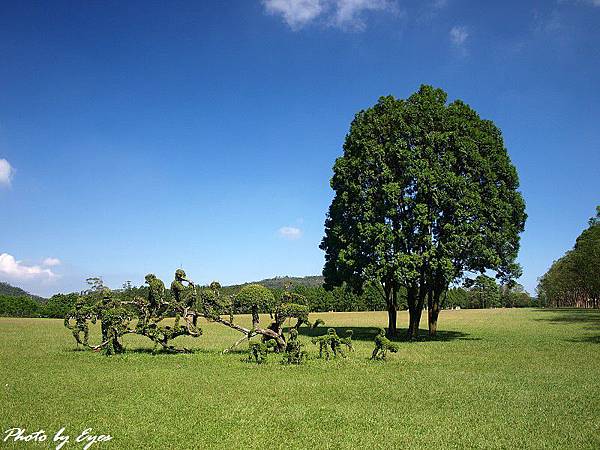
(51, 262)
(459, 35)
(291, 233)
(6, 172)
(296, 13)
(346, 14)
(14, 269)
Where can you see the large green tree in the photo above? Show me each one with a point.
(424, 192)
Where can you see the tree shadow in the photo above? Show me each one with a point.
(163, 351)
(587, 339)
(571, 315)
(369, 333)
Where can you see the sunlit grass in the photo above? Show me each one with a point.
(494, 378)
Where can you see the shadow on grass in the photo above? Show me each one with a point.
(570, 315)
(587, 339)
(369, 333)
(590, 318)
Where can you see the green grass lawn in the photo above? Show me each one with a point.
(495, 378)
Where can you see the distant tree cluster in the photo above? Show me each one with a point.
(485, 292)
(29, 306)
(574, 279)
(21, 306)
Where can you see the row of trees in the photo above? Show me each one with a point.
(574, 279)
(25, 306)
(484, 293)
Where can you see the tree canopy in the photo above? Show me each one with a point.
(424, 193)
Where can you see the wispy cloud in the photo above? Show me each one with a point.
(459, 35)
(51, 262)
(586, 2)
(291, 233)
(547, 23)
(344, 14)
(296, 13)
(349, 13)
(7, 172)
(16, 270)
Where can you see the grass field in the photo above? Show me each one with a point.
(494, 378)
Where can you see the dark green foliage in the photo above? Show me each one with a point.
(15, 302)
(255, 295)
(19, 306)
(574, 279)
(484, 292)
(424, 192)
(281, 283)
(488, 296)
(59, 305)
(213, 303)
(382, 346)
(255, 298)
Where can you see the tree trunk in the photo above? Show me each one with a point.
(433, 312)
(415, 308)
(414, 322)
(255, 318)
(392, 316)
(390, 301)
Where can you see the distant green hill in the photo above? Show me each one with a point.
(281, 282)
(11, 291)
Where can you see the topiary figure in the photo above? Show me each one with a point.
(80, 314)
(347, 341)
(184, 298)
(156, 295)
(329, 343)
(293, 349)
(257, 352)
(382, 345)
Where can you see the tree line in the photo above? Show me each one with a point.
(484, 293)
(574, 279)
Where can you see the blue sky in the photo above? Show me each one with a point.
(138, 137)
